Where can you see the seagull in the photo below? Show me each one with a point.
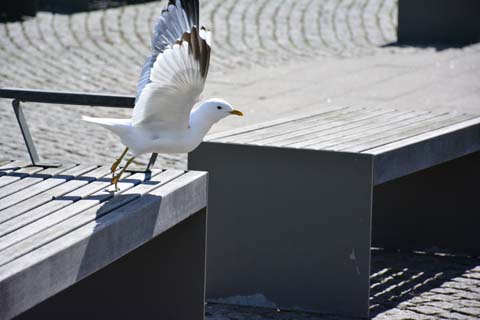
(167, 116)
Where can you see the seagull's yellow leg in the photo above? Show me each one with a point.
(118, 176)
(117, 162)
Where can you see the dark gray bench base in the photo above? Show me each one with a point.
(288, 228)
(437, 207)
(302, 240)
(154, 281)
(438, 21)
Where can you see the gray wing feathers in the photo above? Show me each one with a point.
(179, 17)
(145, 75)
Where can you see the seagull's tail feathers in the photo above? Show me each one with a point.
(117, 126)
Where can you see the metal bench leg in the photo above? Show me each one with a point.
(153, 158)
(27, 137)
(288, 228)
(163, 279)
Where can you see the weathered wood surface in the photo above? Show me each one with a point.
(10, 166)
(69, 224)
(402, 142)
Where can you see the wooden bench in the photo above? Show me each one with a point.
(70, 248)
(296, 204)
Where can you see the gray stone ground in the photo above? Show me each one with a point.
(270, 58)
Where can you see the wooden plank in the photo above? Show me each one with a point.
(3, 162)
(400, 134)
(425, 150)
(58, 178)
(335, 128)
(379, 129)
(262, 125)
(247, 137)
(424, 136)
(45, 203)
(83, 204)
(80, 179)
(320, 126)
(31, 179)
(96, 244)
(12, 166)
(59, 224)
(13, 221)
(34, 185)
(358, 125)
(16, 175)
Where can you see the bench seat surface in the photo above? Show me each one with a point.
(59, 225)
(401, 142)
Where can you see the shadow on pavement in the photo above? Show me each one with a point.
(400, 276)
(438, 46)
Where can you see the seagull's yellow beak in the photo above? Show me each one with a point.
(237, 113)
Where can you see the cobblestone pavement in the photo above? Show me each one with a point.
(270, 58)
(102, 51)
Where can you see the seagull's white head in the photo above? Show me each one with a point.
(216, 109)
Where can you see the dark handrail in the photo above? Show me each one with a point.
(56, 97)
(72, 98)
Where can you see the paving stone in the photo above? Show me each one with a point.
(398, 314)
(427, 310)
(469, 303)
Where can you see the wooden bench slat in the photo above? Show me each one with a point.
(253, 127)
(80, 178)
(10, 166)
(32, 179)
(318, 127)
(46, 179)
(3, 162)
(336, 129)
(57, 204)
(45, 203)
(96, 244)
(423, 136)
(396, 135)
(59, 225)
(78, 206)
(404, 124)
(16, 175)
(425, 150)
(247, 137)
(37, 184)
(360, 127)
(402, 121)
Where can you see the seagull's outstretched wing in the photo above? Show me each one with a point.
(179, 17)
(177, 79)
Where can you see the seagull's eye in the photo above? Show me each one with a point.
(219, 107)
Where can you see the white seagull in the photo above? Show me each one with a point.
(170, 84)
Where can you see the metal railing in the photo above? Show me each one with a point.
(67, 98)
